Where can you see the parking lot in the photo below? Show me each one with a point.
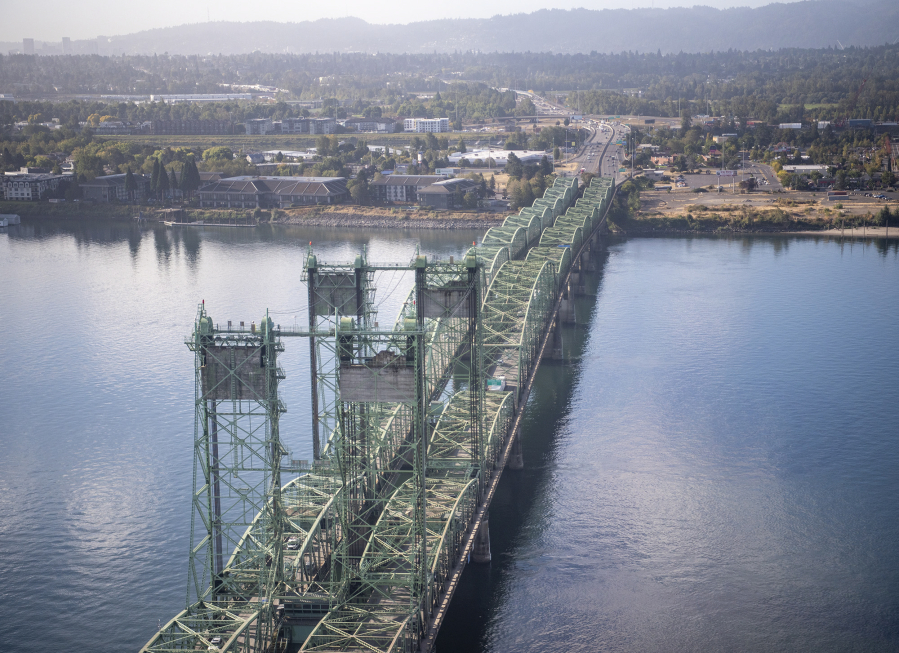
(764, 176)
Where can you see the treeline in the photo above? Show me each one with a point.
(762, 84)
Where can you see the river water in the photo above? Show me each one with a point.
(714, 467)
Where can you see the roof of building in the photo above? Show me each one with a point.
(111, 180)
(364, 119)
(449, 186)
(318, 186)
(407, 180)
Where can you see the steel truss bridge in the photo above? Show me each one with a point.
(412, 427)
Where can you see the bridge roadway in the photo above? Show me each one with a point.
(532, 266)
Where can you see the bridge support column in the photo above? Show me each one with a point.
(516, 458)
(480, 552)
(554, 349)
(566, 307)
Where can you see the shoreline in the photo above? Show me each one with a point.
(392, 218)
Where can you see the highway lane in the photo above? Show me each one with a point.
(591, 158)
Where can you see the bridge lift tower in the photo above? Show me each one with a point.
(375, 394)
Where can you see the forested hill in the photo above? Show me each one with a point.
(810, 24)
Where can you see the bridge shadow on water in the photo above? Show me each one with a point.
(518, 512)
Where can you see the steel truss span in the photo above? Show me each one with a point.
(412, 426)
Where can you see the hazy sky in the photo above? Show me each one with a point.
(50, 20)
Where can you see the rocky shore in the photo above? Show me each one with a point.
(347, 220)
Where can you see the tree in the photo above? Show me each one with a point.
(887, 178)
(546, 168)
(470, 200)
(513, 167)
(557, 154)
(220, 152)
(359, 191)
(173, 182)
(87, 163)
(130, 184)
(461, 146)
(154, 176)
(685, 122)
(162, 185)
(458, 198)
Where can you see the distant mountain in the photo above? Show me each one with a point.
(810, 24)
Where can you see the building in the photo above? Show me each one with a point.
(259, 127)
(401, 188)
(201, 97)
(307, 104)
(271, 156)
(322, 125)
(422, 125)
(111, 188)
(445, 194)
(790, 125)
(378, 125)
(860, 123)
(113, 128)
(30, 185)
(301, 126)
(806, 169)
(190, 127)
(272, 192)
(295, 126)
(500, 157)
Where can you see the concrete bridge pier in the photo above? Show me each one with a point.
(555, 352)
(480, 552)
(516, 458)
(566, 306)
(590, 261)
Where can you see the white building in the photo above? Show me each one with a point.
(422, 125)
(201, 97)
(500, 157)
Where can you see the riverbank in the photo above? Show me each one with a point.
(360, 217)
(343, 216)
(29, 210)
(748, 221)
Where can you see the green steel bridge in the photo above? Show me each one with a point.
(412, 427)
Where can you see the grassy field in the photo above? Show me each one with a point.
(288, 141)
(808, 107)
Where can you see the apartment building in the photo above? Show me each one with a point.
(423, 125)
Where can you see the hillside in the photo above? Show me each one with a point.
(810, 24)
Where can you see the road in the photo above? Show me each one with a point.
(591, 158)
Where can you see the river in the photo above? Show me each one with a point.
(713, 468)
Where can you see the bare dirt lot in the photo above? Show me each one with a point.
(811, 205)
